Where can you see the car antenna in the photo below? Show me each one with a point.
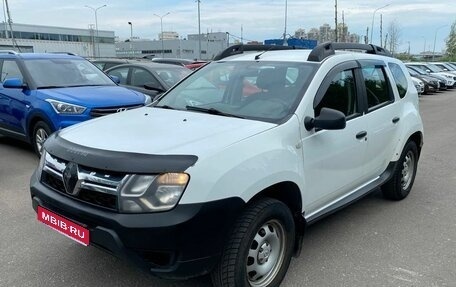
(257, 57)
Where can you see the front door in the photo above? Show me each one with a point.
(334, 159)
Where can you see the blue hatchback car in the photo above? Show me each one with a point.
(42, 93)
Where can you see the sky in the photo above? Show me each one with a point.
(419, 21)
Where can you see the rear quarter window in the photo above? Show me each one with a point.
(399, 78)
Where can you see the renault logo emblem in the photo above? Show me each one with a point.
(70, 179)
(121, 110)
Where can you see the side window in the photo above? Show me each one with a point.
(110, 65)
(399, 78)
(376, 86)
(121, 73)
(340, 95)
(140, 77)
(10, 70)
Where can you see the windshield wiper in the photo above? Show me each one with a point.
(212, 111)
(50, 87)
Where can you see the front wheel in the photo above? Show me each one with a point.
(399, 186)
(41, 132)
(260, 247)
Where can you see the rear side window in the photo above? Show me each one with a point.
(376, 86)
(399, 78)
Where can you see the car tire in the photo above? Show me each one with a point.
(41, 131)
(259, 248)
(399, 186)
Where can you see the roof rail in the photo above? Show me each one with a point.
(241, 48)
(8, 52)
(327, 49)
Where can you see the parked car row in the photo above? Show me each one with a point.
(432, 77)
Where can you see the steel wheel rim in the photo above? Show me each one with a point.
(266, 254)
(40, 137)
(408, 170)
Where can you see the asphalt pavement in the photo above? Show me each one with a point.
(374, 242)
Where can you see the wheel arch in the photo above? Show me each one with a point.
(417, 137)
(35, 118)
(289, 193)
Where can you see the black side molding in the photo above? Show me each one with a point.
(358, 194)
(124, 162)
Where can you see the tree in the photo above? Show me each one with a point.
(451, 43)
(394, 34)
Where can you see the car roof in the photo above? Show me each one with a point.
(40, 56)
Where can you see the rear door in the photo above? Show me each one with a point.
(382, 115)
(12, 101)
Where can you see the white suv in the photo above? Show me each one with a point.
(223, 172)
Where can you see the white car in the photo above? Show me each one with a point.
(223, 173)
(419, 85)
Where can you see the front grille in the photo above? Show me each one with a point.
(99, 112)
(92, 186)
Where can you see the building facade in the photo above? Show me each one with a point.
(211, 45)
(42, 39)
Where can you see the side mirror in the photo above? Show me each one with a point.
(328, 119)
(115, 79)
(13, 83)
(428, 71)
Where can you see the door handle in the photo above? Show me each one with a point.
(361, 135)
(395, 120)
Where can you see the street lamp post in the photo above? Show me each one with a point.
(131, 38)
(285, 27)
(199, 30)
(131, 30)
(372, 26)
(435, 39)
(96, 24)
(161, 28)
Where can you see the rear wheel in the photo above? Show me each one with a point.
(41, 132)
(260, 247)
(399, 186)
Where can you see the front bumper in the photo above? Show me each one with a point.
(182, 243)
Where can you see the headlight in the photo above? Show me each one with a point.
(65, 108)
(152, 193)
(147, 99)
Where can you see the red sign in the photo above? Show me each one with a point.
(64, 226)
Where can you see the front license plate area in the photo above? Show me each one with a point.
(64, 226)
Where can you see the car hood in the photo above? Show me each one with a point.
(158, 131)
(94, 96)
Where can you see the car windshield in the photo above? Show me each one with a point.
(59, 73)
(419, 69)
(172, 75)
(434, 68)
(267, 91)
